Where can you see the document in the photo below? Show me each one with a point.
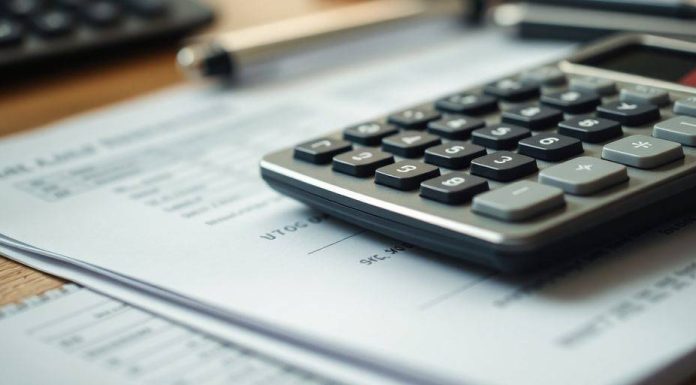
(164, 193)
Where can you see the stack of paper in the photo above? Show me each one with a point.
(163, 195)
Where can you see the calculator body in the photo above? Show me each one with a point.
(641, 162)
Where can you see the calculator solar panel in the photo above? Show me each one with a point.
(523, 171)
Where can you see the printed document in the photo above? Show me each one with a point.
(165, 192)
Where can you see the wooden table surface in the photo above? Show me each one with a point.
(43, 99)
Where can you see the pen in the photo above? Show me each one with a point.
(224, 55)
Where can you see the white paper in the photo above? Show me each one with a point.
(166, 192)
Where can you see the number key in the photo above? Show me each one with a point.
(414, 118)
(321, 151)
(361, 162)
(503, 166)
(453, 155)
(405, 175)
(369, 134)
(468, 104)
(513, 90)
(590, 129)
(550, 147)
(533, 117)
(409, 144)
(572, 102)
(500, 136)
(629, 113)
(455, 126)
(453, 188)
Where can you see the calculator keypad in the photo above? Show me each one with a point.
(629, 113)
(455, 126)
(500, 136)
(454, 155)
(590, 129)
(369, 134)
(513, 90)
(550, 146)
(469, 104)
(405, 175)
(572, 102)
(533, 117)
(361, 162)
(503, 166)
(414, 118)
(453, 188)
(409, 144)
(321, 151)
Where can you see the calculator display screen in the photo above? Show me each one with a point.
(653, 62)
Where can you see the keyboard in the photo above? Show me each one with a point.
(36, 30)
(523, 171)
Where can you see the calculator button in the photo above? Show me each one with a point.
(518, 201)
(600, 86)
(414, 118)
(642, 151)
(548, 76)
(629, 113)
(590, 129)
(54, 23)
(584, 175)
(513, 90)
(453, 155)
(686, 106)
(500, 136)
(550, 147)
(467, 104)
(361, 162)
(321, 151)
(533, 117)
(406, 174)
(572, 101)
(644, 94)
(455, 126)
(503, 166)
(681, 129)
(11, 33)
(148, 8)
(102, 13)
(369, 134)
(409, 144)
(22, 8)
(453, 188)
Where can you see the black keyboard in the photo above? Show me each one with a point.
(33, 30)
(532, 168)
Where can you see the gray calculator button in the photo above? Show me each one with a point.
(644, 94)
(548, 76)
(518, 201)
(584, 175)
(686, 106)
(680, 129)
(601, 86)
(642, 151)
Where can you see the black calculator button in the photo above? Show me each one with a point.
(550, 147)
(406, 174)
(22, 8)
(361, 162)
(54, 23)
(453, 188)
(503, 166)
(629, 113)
(102, 13)
(455, 126)
(369, 134)
(547, 76)
(533, 117)
(414, 118)
(321, 151)
(11, 33)
(590, 129)
(409, 144)
(604, 87)
(453, 155)
(467, 104)
(500, 136)
(573, 102)
(148, 8)
(513, 90)
(644, 94)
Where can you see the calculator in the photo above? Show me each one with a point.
(32, 31)
(523, 171)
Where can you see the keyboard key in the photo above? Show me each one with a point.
(453, 188)
(455, 126)
(533, 117)
(102, 13)
(644, 94)
(550, 147)
(361, 162)
(547, 76)
(629, 114)
(686, 106)
(453, 155)
(321, 151)
(599, 86)
(54, 23)
(11, 33)
(513, 90)
(406, 174)
(409, 144)
(681, 129)
(369, 134)
(584, 175)
(503, 166)
(500, 136)
(590, 129)
(518, 201)
(642, 151)
(467, 104)
(414, 118)
(572, 102)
